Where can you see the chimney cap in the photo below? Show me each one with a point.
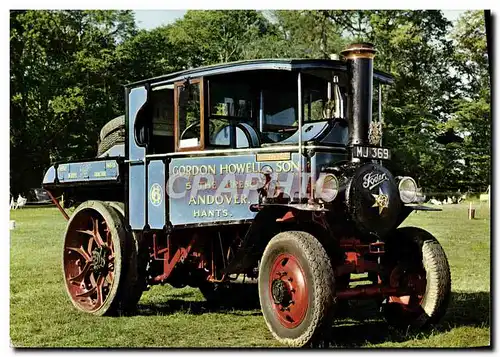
(359, 50)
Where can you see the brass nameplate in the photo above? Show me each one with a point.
(282, 156)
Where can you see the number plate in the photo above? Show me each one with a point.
(366, 152)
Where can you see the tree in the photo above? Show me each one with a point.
(472, 116)
(68, 68)
(215, 36)
(297, 34)
(414, 48)
(150, 54)
(63, 86)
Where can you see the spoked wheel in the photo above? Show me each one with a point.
(93, 255)
(416, 262)
(296, 288)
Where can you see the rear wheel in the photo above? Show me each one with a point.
(415, 259)
(95, 263)
(137, 259)
(296, 288)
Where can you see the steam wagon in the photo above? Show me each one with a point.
(272, 170)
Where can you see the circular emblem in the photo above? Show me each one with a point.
(156, 194)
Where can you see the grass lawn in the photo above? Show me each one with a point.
(42, 316)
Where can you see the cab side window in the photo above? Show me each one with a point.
(189, 119)
(230, 114)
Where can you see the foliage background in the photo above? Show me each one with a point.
(68, 68)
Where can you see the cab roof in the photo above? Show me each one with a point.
(255, 65)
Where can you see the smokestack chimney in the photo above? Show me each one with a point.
(359, 57)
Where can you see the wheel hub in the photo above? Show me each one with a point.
(99, 259)
(408, 279)
(288, 290)
(281, 293)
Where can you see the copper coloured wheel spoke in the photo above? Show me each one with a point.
(89, 246)
(78, 279)
(88, 293)
(92, 279)
(86, 231)
(109, 278)
(99, 286)
(82, 252)
(96, 234)
(95, 290)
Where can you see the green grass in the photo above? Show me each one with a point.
(42, 316)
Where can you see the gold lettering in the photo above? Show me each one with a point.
(218, 200)
(223, 168)
(286, 166)
(193, 170)
(211, 213)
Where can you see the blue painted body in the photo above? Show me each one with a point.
(156, 194)
(90, 171)
(223, 188)
(137, 170)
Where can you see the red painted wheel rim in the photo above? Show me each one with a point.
(416, 281)
(89, 261)
(288, 290)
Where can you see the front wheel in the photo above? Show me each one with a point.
(296, 288)
(414, 259)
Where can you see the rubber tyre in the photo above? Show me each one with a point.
(411, 244)
(319, 275)
(112, 125)
(137, 259)
(118, 299)
(114, 138)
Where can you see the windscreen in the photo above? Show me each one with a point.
(321, 101)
